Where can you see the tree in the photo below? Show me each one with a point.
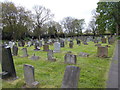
(108, 18)
(15, 21)
(41, 16)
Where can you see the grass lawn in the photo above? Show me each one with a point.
(93, 72)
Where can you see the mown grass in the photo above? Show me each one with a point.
(93, 74)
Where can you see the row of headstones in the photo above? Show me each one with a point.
(70, 79)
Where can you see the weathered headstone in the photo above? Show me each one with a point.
(34, 57)
(70, 58)
(25, 54)
(50, 55)
(15, 50)
(71, 44)
(29, 76)
(46, 47)
(71, 77)
(103, 40)
(102, 51)
(8, 68)
(56, 47)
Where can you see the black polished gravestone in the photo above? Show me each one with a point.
(8, 68)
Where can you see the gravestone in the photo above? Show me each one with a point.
(46, 47)
(111, 40)
(103, 40)
(25, 52)
(22, 43)
(36, 46)
(11, 44)
(40, 43)
(70, 58)
(102, 51)
(56, 47)
(29, 43)
(62, 43)
(85, 43)
(83, 54)
(15, 50)
(71, 44)
(50, 55)
(29, 76)
(71, 77)
(34, 57)
(8, 68)
(78, 42)
(97, 44)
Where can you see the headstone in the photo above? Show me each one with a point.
(70, 58)
(71, 77)
(29, 44)
(46, 47)
(102, 51)
(34, 57)
(62, 43)
(15, 50)
(97, 44)
(56, 47)
(83, 54)
(71, 44)
(85, 43)
(78, 42)
(103, 40)
(8, 68)
(50, 55)
(29, 76)
(22, 43)
(25, 52)
(11, 44)
(40, 43)
(36, 46)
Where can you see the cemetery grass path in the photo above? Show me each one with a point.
(93, 74)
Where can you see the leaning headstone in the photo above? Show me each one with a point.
(25, 52)
(83, 54)
(56, 47)
(71, 77)
(34, 57)
(50, 55)
(70, 58)
(8, 68)
(15, 50)
(102, 51)
(71, 44)
(46, 47)
(29, 76)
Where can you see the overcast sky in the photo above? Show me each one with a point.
(80, 9)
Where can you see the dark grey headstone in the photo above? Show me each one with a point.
(29, 75)
(15, 50)
(8, 68)
(71, 44)
(71, 77)
(70, 58)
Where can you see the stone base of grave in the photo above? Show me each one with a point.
(34, 57)
(52, 59)
(33, 85)
(7, 76)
